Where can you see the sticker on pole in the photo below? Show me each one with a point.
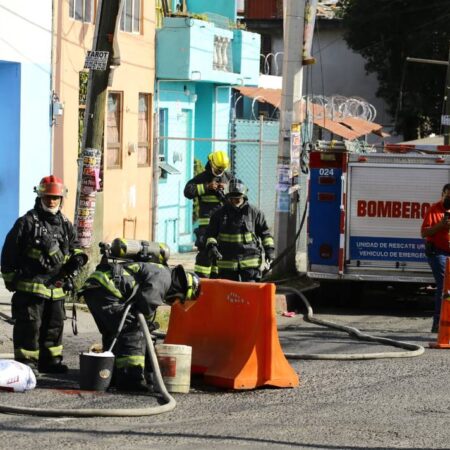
(445, 120)
(96, 60)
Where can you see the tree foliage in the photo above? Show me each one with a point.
(385, 33)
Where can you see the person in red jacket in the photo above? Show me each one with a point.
(435, 229)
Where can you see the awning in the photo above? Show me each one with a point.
(349, 128)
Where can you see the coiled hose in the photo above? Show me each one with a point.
(121, 412)
(412, 349)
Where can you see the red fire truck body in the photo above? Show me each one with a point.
(365, 212)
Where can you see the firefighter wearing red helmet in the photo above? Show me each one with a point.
(208, 188)
(39, 258)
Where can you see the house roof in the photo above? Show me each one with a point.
(349, 128)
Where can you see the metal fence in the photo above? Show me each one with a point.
(254, 153)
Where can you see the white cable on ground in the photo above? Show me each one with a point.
(413, 349)
(125, 412)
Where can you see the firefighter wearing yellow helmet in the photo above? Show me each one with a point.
(209, 188)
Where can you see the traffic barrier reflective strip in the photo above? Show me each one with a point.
(443, 337)
(233, 334)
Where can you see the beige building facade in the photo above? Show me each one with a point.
(124, 202)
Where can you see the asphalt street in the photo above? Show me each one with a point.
(374, 404)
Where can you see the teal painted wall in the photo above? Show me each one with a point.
(174, 216)
(222, 117)
(192, 41)
(204, 110)
(223, 7)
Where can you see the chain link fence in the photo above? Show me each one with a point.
(254, 154)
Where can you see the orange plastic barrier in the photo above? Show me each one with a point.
(443, 338)
(233, 334)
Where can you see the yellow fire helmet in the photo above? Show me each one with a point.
(219, 160)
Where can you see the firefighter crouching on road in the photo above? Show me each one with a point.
(209, 187)
(39, 259)
(435, 229)
(235, 236)
(106, 291)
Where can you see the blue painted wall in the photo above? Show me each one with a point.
(25, 153)
(35, 131)
(223, 7)
(10, 148)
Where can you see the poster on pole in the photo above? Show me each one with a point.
(283, 185)
(90, 184)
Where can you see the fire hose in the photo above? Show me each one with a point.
(412, 349)
(110, 412)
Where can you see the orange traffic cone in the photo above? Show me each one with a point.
(443, 338)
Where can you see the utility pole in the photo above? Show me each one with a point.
(290, 112)
(101, 61)
(446, 118)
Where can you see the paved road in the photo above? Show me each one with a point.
(377, 404)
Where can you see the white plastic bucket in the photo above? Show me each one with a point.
(175, 365)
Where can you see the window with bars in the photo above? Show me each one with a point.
(114, 131)
(82, 10)
(144, 130)
(130, 20)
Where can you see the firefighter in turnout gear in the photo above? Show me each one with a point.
(39, 259)
(209, 188)
(106, 292)
(238, 237)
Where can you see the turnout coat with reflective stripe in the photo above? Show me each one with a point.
(240, 234)
(27, 262)
(154, 282)
(207, 200)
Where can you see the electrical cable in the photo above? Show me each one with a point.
(412, 349)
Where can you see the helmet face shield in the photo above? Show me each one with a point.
(236, 189)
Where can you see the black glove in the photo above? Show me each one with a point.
(10, 285)
(214, 254)
(75, 263)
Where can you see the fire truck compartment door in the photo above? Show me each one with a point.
(386, 205)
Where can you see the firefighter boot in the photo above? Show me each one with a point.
(53, 365)
(131, 379)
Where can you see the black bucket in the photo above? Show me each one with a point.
(96, 371)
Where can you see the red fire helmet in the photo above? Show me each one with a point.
(51, 185)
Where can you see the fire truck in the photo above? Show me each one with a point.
(365, 211)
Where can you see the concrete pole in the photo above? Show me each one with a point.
(94, 122)
(286, 205)
(447, 104)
